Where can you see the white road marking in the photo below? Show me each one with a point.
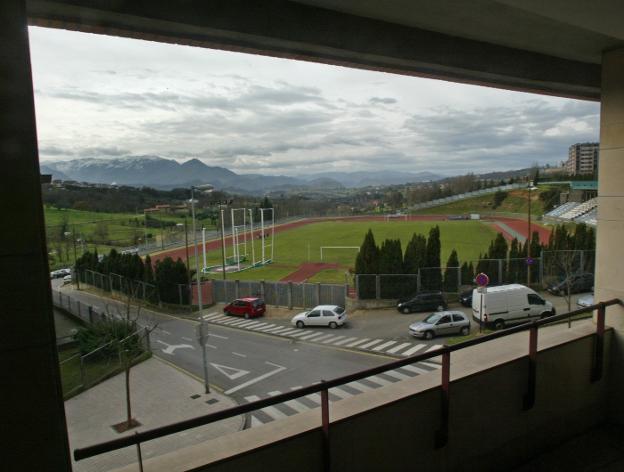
(344, 341)
(433, 348)
(238, 354)
(187, 339)
(172, 347)
(384, 345)
(398, 348)
(269, 410)
(297, 334)
(359, 386)
(294, 404)
(261, 325)
(372, 343)
(397, 375)
(415, 369)
(231, 373)
(238, 322)
(271, 326)
(246, 323)
(257, 379)
(379, 380)
(276, 329)
(164, 331)
(324, 337)
(358, 342)
(412, 350)
(282, 330)
(431, 364)
(340, 393)
(332, 339)
(288, 331)
(210, 346)
(212, 335)
(309, 336)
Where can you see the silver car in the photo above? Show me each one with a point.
(441, 322)
(587, 300)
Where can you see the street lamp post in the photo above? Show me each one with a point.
(203, 337)
(528, 259)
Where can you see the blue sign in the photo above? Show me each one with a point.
(530, 261)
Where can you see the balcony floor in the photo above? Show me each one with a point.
(601, 449)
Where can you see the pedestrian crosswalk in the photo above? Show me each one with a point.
(312, 401)
(322, 336)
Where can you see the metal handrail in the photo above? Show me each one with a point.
(136, 439)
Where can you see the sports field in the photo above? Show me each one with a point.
(301, 245)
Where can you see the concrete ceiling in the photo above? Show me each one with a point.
(573, 29)
(551, 47)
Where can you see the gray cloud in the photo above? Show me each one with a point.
(382, 100)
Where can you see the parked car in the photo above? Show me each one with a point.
(587, 300)
(423, 301)
(57, 274)
(579, 283)
(246, 307)
(465, 298)
(505, 304)
(322, 315)
(67, 279)
(441, 323)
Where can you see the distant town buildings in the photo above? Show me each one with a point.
(583, 159)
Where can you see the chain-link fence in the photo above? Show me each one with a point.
(287, 294)
(120, 285)
(80, 371)
(539, 272)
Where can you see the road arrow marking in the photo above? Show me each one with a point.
(231, 373)
(172, 347)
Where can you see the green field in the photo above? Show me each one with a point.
(104, 231)
(296, 246)
(516, 202)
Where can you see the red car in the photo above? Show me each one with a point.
(247, 307)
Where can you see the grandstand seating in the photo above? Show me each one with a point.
(557, 212)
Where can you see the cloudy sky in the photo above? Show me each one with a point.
(105, 97)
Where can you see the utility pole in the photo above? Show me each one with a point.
(528, 260)
(222, 244)
(188, 264)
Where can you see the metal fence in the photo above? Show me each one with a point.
(286, 294)
(120, 285)
(81, 371)
(550, 267)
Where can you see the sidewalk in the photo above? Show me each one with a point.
(161, 394)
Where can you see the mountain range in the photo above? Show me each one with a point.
(158, 172)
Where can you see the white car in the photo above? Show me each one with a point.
(587, 300)
(67, 279)
(322, 315)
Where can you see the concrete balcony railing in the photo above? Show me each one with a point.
(501, 400)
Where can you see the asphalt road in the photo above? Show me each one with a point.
(242, 363)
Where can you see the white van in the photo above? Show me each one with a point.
(506, 304)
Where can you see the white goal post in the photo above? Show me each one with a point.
(338, 247)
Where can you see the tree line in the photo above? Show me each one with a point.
(422, 255)
(166, 275)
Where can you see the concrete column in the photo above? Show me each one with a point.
(609, 249)
(33, 417)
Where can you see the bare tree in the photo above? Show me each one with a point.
(129, 348)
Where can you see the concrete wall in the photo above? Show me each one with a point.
(394, 428)
(610, 250)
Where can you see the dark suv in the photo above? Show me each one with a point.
(423, 301)
(579, 283)
(246, 307)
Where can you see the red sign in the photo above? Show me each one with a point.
(482, 280)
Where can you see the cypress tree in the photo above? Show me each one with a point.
(450, 273)
(367, 262)
(432, 279)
